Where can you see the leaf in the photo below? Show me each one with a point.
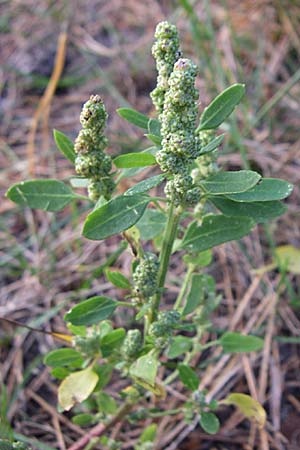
(212, 145)
(251, 408)
(230, 182)
(91, 311)
(202, 285)
(145, 185)
(239, 343)
(154, 127)
(130, 160)
(60, 372)
(64, 357)
(188, 377)
(134, 117)
(215, 230)
(266, 190)
(201, 259)
(145, 368)
(151, 224)
(288, 257)
(83, 419)
(117, 279)
(106, 403)
(149, 434)
(104, 373)
(49, 195)
(65, 145)
(221, 107)
(260, 212)
(179, 345)
(115, 216)
(77, 387)
(155, 139)
(6, 445)
(126, 173)
(209, 422)
(112, 341)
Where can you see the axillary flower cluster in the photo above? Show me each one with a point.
(91, 161)
(175, 99)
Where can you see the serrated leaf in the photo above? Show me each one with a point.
(65, 145)
(151, 224)
(202, 285)
(221, 107)
(145, 185)
(63, 357)
(117, 279)
(268, 189)
(212, 145)
(77, 387)
(179, 345)
(239, 343)
(260, 212)
(134, 117)
(209, 422)
(145, 368)
(49, 195)
(288, 257)
(215, 230)
(251, 408)
(188, 377)
(91, 311)
(230, 182)
(130, 160)
(115, 216)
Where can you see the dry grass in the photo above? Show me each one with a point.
(45, 263)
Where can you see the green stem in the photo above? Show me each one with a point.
(166, 250)
(185, 284)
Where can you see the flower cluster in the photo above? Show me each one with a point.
(145, 276)
(91, 161)
(162, 328)
(132, 344)
(206, 164)
(180, 144)
(166, 52)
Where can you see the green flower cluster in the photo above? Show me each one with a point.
(166, 52)
(132, 344)
(91, 161)
(145, 276)
(206, 164)
(162, 328)
(180, 144)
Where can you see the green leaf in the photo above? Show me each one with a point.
(209, 422)
(112, 341)
(64, 357)
(65, 145)
(115, 216)
(238, 343)
(179, 345)
(49, 195)
(117, 279)
(202, 259)
(149, 434)
(288, 257)
(266, 190)
(134, 117)
(231, 182)
(145, 368)
(155, 139)
(151, 224)
(83, 419)
(221, 107)
(154, 127)
(127, 173)
(91, 311)
(77, 387)
(106, 403)
(145, 185)
(6, 445)
(260, 212)
(60, 372)
(130, 160)
(215, 230)
(104, 373)
(251, 408)
(188, 377)
(202, 286)
(212, 145)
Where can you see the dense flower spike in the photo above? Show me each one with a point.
(206, 164)
(166, 52)
(91, 161)
(145, 276)
(132, 343)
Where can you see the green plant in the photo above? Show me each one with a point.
(203, 207)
